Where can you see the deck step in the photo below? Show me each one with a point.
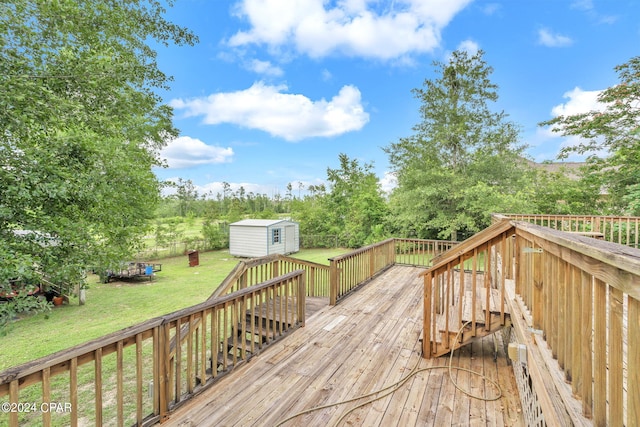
(264, 321)
(468, 335)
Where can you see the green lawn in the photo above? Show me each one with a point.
(113, 306)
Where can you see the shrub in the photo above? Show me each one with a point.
(21, 305)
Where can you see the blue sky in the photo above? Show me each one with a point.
(276, 89)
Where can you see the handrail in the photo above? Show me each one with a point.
(624, 230)
(251, 271)
(136, 361)
(352, 270)
(420, 252)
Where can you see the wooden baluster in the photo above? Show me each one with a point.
(586, 390)
(139, 375)
(46, 395)
(615, 358)
(73, 391)
(119, 384)
(98, 385)
(576, 336)
(633, 362)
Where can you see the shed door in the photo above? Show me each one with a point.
(289, 238)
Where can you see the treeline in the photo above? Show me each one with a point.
(352, 210)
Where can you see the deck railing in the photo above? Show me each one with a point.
(575, 309)
(256, 270)
(351, 270)
(420, 252)
(132, 376)
(466, 287)
(583, 298)
(624, 230)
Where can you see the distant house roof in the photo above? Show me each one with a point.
(259, 222)
(572, 169)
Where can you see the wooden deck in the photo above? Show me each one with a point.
(368, 341)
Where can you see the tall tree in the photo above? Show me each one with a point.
(81, 125)
(187, 196)
(611, 139)
(355, 203)
(464, 160)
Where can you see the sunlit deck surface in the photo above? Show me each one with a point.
(368, 341)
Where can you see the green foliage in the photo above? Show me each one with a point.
(558, 193)
(186, 197)
(80, 129)
(463, 163)
(216, 236)
(353, 209)
(611, 139)
(20, 305)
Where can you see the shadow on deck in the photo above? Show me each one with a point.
(369, 341)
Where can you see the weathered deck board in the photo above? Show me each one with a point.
(368, 341)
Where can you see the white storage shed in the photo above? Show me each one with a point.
(261, 237)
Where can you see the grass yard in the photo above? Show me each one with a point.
(116, 305)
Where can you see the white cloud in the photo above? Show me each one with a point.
(286, 115)
(588, 7)
(388, 182)
(184, 152)
(383, 30)
(470, 46)
(579, 101)
(265, 68)
(582, 4)
(491, 8)
(547, 38)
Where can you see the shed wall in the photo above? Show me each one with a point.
(256, 240)
(248, 241)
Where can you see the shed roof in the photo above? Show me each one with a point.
(259, 222)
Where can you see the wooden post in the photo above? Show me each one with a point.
(120, 382)
(427, 317)
(633, 364)
(98, 385)
(333, 282)
(14, 393)
(372, 261)
(163, 371)
(615, 358)
(302, 291)
(537, 286)
(46, 395)
(600, 353)
(576, 337)
(587, 352)
(73, 391)
(503, 276)
(139, 414)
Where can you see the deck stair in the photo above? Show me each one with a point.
(260, 325)
(484, 325)
(465, 292)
